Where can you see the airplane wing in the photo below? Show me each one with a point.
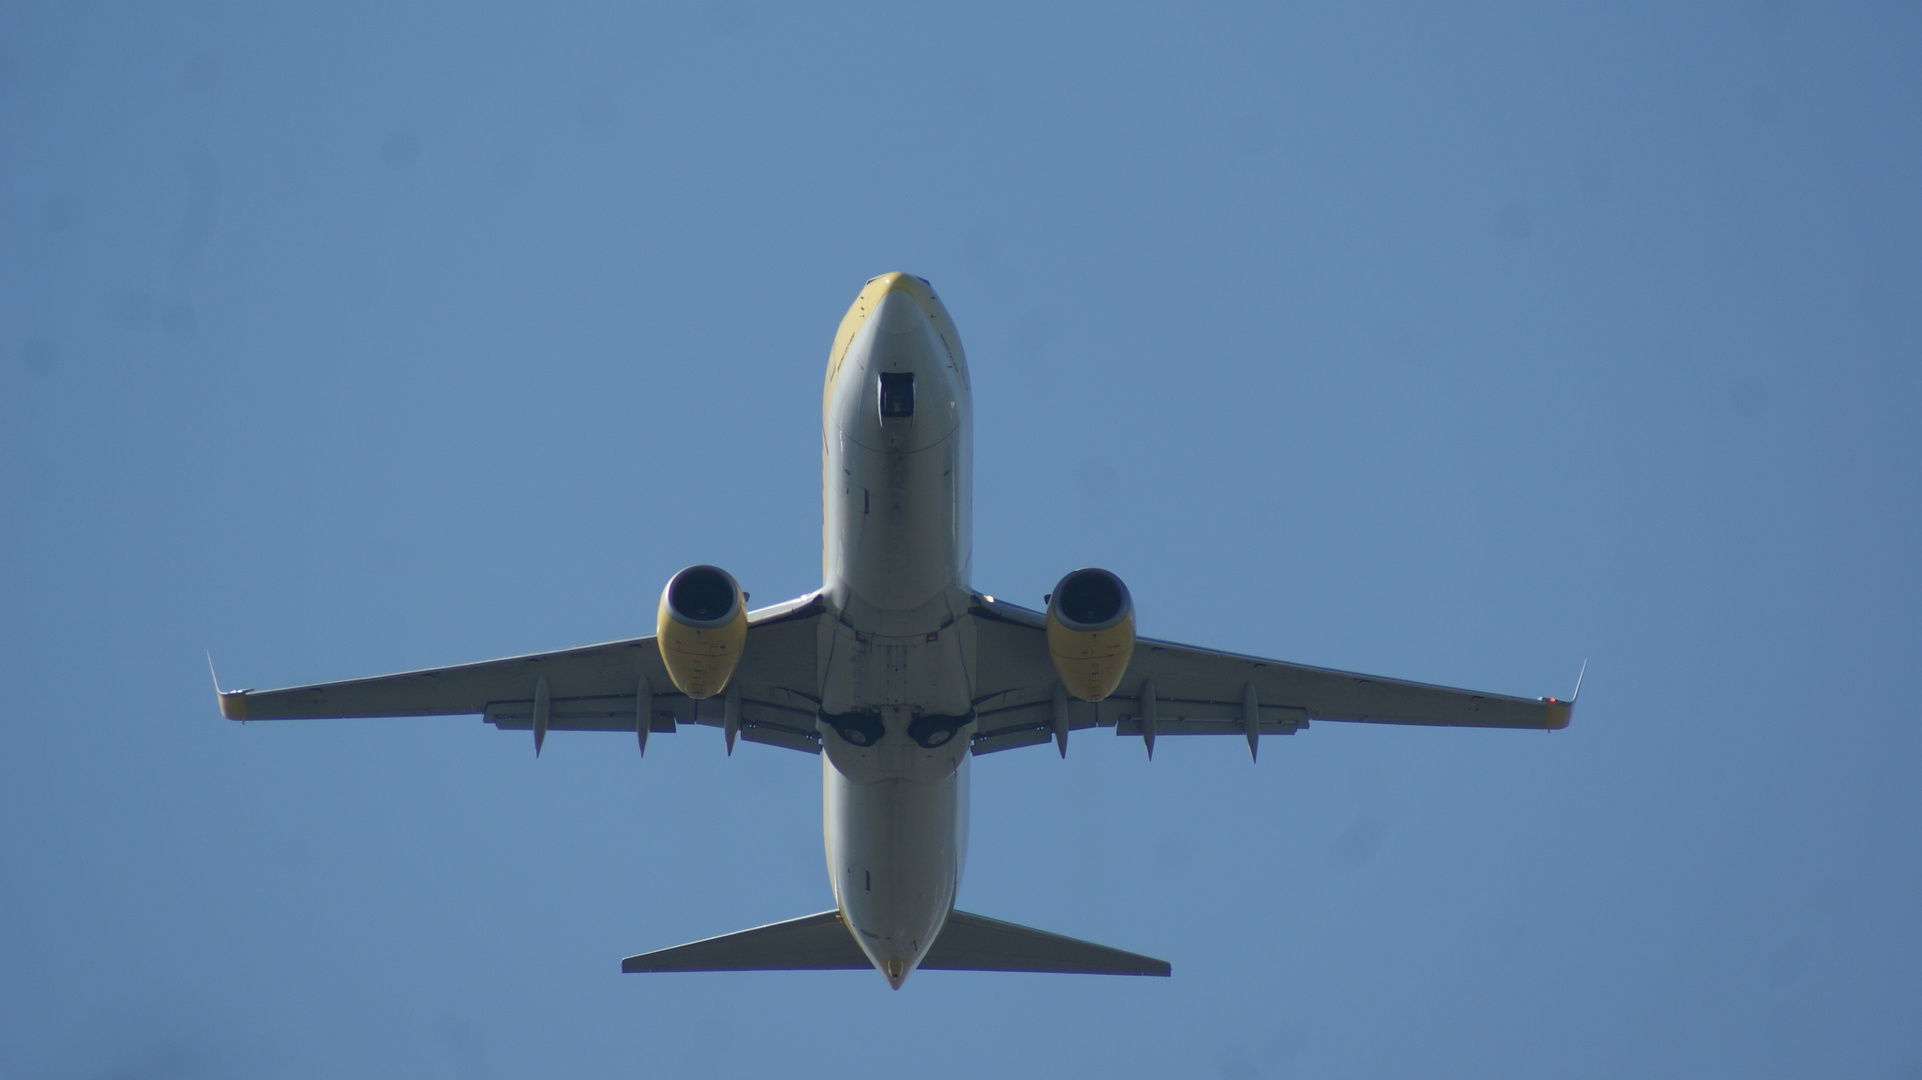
(1172, 689)
(591, 688)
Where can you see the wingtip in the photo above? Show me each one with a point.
(233, 703)
(1559, 713)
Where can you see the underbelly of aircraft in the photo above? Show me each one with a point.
(896, 723)
(896, 817)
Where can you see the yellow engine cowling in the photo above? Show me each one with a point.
(1091, 632)
(701, 628)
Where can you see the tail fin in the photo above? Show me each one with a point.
(967, 943)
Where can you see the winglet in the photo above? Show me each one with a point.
(233, 703)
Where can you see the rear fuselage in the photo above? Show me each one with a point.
(897, 686)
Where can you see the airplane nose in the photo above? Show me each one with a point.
(896, 390)
(899, 314)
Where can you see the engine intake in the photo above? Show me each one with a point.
(1091, 632)
(701, 629)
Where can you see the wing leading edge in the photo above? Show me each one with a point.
(590, 688)
(1174, 689)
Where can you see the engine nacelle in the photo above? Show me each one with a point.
(701, 629)
(1091, 632)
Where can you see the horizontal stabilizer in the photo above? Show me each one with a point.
(809, 943)
(976, 943)
(967, 943)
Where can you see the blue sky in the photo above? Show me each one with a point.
(1455, 345)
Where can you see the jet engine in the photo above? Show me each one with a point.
(701, 629)
(1091, 632)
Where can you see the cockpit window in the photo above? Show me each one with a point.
(897, 394)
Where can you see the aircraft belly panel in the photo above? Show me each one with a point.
(897, 521)
(895, 849)
(924, 673)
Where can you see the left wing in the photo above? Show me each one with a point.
(1172, 689)
(591, 688)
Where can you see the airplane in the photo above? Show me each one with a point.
(897, 672)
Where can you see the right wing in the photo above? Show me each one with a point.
(1205, 692)
(591, 688)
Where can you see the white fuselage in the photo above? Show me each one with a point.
(897, 685)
